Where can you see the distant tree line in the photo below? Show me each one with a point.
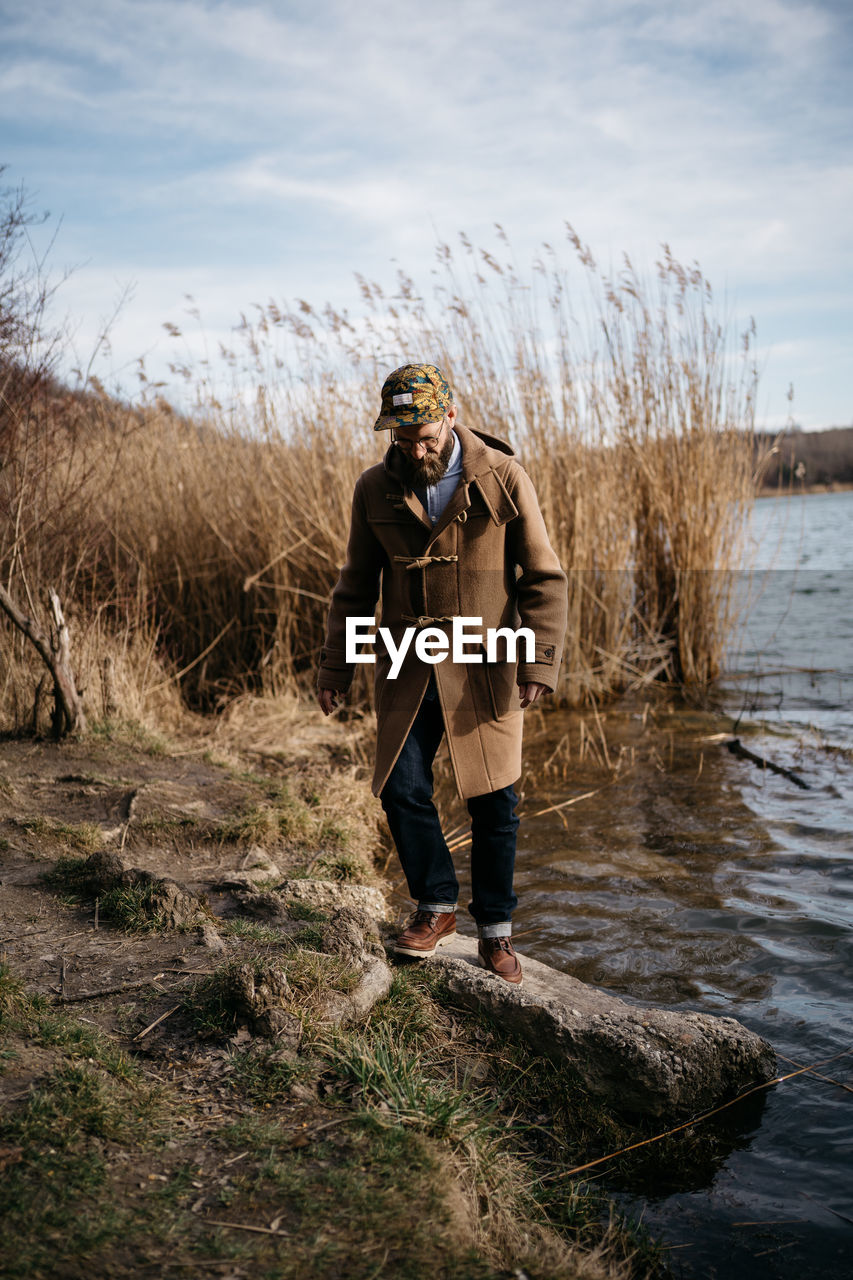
(806, 458)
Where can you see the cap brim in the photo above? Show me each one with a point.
(414, 418)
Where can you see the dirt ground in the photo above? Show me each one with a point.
(192, 819)
(146, 1131)
(173, 816)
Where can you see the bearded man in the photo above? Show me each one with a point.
(447, 532)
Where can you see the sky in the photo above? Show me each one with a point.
(238, 152)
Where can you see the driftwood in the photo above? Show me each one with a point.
(108, 991)
(245, 1226)
(737, 749)
(54, 649)
(157, 1021)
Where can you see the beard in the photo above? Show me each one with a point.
(428, 470)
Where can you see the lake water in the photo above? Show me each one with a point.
(695, 879)
(711, 883)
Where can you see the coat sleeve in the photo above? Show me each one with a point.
(541, 586)
(355, 595)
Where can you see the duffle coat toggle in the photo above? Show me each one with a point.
(422, 562)
(423, 620)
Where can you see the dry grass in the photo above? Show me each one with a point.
(507, 1222)
(196, 554)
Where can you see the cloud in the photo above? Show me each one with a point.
(288, 145)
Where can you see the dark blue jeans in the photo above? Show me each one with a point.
(422, 848)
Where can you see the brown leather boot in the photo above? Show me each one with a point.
(425, 931)
(498, 956)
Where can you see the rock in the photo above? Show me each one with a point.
(261, 997)
(262, 904)
(175, 905)
(302, 1092)
(354, 1006)
(208, 936)
(258, 865)
(353, 935)
(255, 868)
(101, 872)
(331, 895)
(656, 1062)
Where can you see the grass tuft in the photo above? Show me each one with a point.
(217, 1005)
(85, 836)
(304, 911)
(132, 908)
(392, 1083)
(69, 875)
(252, 931)
(265, 1075)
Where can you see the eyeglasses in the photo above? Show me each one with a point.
(428, 443)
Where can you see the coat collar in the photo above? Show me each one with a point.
(478, 452)
(481, 453)
(482, 456)
(482, 460)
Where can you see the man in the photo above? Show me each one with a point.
(448, 531)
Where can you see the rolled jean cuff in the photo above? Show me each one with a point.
(442, 908)
(503, 929)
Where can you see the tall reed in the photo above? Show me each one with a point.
(218, 533)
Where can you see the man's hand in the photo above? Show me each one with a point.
(530, 693)
(328, 700)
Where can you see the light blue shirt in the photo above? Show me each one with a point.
(435, 497)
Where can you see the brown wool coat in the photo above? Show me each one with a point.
(487, 557)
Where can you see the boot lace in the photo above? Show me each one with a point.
(500, 944)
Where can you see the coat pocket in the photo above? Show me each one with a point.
(500, 680)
